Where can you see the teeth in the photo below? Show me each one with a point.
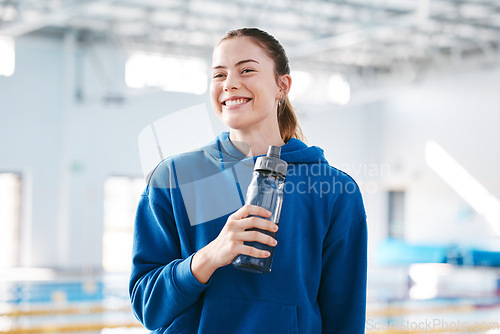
(233, 102)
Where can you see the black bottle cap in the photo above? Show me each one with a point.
(272, 162)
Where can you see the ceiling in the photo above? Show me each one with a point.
(369, 41)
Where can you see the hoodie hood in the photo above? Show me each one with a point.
(293, 152)
(297, 152)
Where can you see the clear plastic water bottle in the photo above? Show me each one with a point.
(265, 190)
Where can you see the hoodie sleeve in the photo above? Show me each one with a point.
(162, 284)
(342, 294)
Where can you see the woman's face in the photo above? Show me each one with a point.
(243, 90)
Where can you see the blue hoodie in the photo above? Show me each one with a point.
(318, 278)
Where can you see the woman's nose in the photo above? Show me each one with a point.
(231, 83)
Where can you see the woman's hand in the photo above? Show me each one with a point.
(230, 241)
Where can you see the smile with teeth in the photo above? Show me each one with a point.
(235, 102)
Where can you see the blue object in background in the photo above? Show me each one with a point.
(399, 252)
(47, 292)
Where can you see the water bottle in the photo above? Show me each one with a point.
(265, 190)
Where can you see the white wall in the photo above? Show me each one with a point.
(31, 138)
(382, 145)
(462, 114)
(353, 141)
(66, 148)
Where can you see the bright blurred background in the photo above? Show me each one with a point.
(403, 95)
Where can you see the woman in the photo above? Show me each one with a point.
(181, 280)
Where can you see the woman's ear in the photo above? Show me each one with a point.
(285, 83)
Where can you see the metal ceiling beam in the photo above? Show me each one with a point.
(320, 33)
(351, 38)
(58, 17)
(17, 29)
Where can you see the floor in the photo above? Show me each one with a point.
(421, 298)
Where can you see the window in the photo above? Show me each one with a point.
(10, 218)
(121, 196)
(7, 56)
(396, 214)
(177, 74)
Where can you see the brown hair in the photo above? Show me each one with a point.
(287, 119)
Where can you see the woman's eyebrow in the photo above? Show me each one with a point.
(241, 62)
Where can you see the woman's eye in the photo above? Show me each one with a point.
(218, 75)
(247, 70)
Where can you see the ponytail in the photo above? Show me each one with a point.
(287, 121)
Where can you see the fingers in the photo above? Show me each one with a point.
(240, 228)
(240, 219)
(259, 237)
(260, 223)
(255, 252)
(247, 229)
(248, 210)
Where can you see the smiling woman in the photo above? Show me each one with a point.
(245, 92)
(181, 280)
